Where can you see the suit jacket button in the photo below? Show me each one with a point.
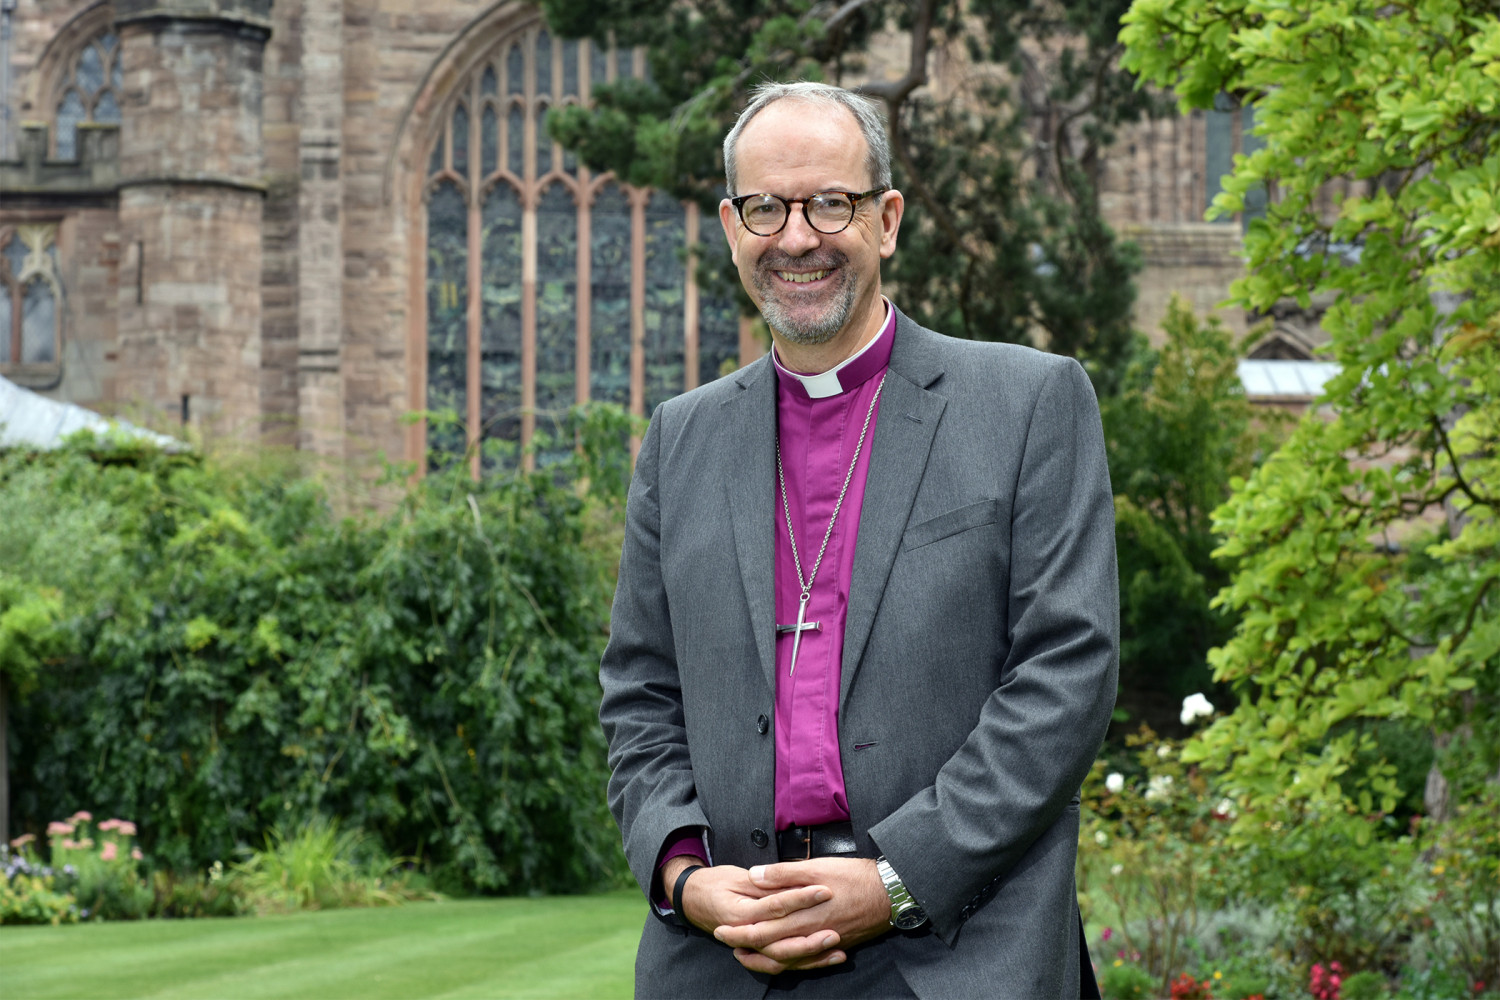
(762, 724)
(758, 837)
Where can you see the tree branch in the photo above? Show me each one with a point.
(1478, 499)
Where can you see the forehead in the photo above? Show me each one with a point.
(794, 147)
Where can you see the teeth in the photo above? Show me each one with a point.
(801, 279)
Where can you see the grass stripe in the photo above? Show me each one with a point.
(581, 946)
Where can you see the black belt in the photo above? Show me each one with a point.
(799, 843)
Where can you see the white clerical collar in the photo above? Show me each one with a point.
(854, 373)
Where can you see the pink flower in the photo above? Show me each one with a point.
(58, 829)
(126, 828)
(1108, 933)
(110, 851)
(69, 844)
(82, 815)
(22, 840)
(109, 824)
(135, 852)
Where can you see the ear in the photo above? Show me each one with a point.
(729, 220)
(892, 207)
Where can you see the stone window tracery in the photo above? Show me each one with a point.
(30, 301)
(91, 93)
(547, 284)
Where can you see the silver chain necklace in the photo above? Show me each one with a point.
(802, 624)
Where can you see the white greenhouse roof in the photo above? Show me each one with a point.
(29, 420)
(1303, 379)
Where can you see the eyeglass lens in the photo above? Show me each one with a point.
(827, 212)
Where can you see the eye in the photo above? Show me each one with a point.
(832, 202)
(763, 207)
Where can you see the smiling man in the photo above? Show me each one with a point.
(865, 636)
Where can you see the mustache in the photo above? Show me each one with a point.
(818, 260)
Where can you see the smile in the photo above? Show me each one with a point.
(802, 278)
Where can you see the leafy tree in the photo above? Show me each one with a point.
(1179, 431)
(1368, 547)
(1005, 240)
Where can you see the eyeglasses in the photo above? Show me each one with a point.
(828, 212)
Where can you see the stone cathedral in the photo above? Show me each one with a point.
(298, 221)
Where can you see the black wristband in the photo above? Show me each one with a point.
(678, 917)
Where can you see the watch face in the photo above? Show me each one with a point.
(910, 919)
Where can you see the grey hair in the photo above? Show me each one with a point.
(867, 114)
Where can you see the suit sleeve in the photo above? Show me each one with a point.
(955, 842)
(651, 790)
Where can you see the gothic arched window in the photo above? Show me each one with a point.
(91, 92)
(30, 302)
(549, 285)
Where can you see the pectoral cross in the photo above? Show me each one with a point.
(802, 626)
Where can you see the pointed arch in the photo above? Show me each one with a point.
(509, 324)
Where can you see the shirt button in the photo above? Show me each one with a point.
(762, 724)
(758, 837)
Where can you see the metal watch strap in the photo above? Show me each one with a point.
(906, 912)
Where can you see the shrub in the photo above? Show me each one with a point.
(28, 894)
(318, 867)
(1126, 981)
(238, 657)
(1365, 985)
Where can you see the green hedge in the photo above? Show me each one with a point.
(237, 657)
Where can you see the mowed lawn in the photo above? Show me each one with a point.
(569, 946)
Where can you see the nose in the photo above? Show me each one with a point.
(798, 237)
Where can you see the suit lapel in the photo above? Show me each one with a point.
(750, 471)
(909, 416)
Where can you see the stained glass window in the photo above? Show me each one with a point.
(490, 142)
(39, 324)
(500, 329)
(5, 309)
(515, 139)
(447, 324)
(570, 68)
(91, 93)
(609, 320)
(718, 310)
(527, 326)
(664, 298)
(30, 299)
(461, 141)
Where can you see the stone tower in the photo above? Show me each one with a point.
(191, 204)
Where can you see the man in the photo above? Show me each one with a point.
(866, 618)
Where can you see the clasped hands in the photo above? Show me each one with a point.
(792, 915)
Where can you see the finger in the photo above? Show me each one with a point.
(756, 962)
(804, 939)
(778, 905)
(781, 876)
(795, 951)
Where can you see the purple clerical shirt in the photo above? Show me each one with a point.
(819, 418)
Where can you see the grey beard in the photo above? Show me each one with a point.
(804, 333)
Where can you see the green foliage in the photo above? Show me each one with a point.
(1465, 869)
(1123, 980)
(1341, 618)
(29, 893)
(245, 659)
(1365, 985)
(1178, 433)
(1003, 238)
(317, 867)
(98, 865)
(29, 635)
(1151, 849)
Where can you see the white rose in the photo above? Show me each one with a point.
(1101, 838)
(1195, 706)
(1163, 751)
(1225, 808)
(1115, 783)
(1159, 787)
(1116, 869)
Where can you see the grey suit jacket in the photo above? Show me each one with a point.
(978, 671)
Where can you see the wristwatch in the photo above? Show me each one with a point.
(906, 913)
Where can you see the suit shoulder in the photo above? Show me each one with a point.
(698, 405)
(1013, 367)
